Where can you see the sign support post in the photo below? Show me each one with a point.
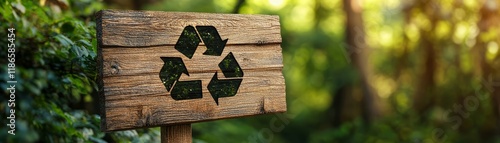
(172, 69)
(176, 134)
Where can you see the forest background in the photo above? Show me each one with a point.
(355, 70)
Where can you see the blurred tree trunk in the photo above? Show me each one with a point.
(130, 4)
(337, 104)
(238, 6)
(489, 18)
(402, 60)
(355, 39)
(423, 98)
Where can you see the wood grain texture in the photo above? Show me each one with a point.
(149, 28)
(176, 134)
(130, 44)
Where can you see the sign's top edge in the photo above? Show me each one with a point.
(145, 13)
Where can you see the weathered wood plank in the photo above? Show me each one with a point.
(149, 28)
(151, 93)
(249, 57)
(150, 84)
(132, 93)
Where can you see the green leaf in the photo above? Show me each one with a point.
(85, 43)
(76, 50)
(97, 140)
(94, 45)
(40, 13)
(65, 41)
(6, 11)
(80, 25)
(19, 7)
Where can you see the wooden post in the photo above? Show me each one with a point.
(176, 134)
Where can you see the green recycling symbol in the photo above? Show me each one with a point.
(187, 44)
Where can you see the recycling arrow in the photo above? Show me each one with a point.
(187, 90)
(187, 44)
(223, 88)
(226, 88)
(211, 38)
(230, 67)
(188, 41)
(170, 73)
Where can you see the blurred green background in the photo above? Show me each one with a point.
(355, 70)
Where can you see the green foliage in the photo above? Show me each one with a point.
(55, 73)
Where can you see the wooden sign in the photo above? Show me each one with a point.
(170, 68)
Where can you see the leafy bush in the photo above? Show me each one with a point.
(55, 73)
